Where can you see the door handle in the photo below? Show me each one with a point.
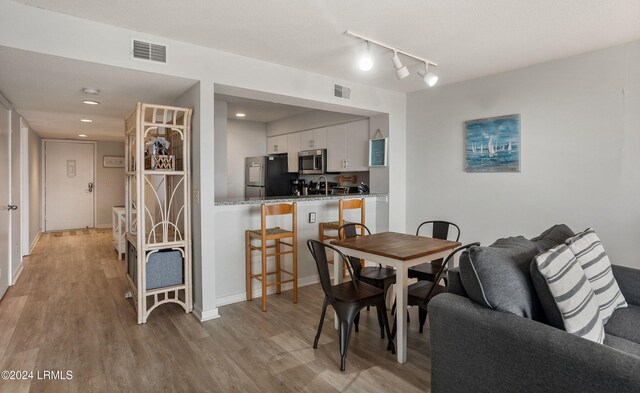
(90, 187)
(12, 207)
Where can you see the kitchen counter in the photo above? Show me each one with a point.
(293, 198)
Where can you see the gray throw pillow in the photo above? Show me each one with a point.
(498, 277)
(553, 236)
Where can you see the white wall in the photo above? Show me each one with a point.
(580, 143)
(220, 146)
(309, 120)
(75, 38)
(35, 183)
(244, 139)
(109, 183)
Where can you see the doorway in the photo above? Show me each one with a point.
(69, 185)
(5, 201)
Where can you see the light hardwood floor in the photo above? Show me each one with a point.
(67, 312)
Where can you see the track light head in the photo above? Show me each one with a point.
(429, 77)
(366, 62)
(401, 71)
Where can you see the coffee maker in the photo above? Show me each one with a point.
(298, 187)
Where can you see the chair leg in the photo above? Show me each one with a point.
(295, 268)
(356, 321)
(422, 313)
(248, 263)
(278, 267)
(324, 311)
(379, 311)
(390, 335)
(263, 245)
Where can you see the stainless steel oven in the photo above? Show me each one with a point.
(312, 162)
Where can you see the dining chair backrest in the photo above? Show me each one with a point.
(319, 253)
(444, 265)
(440, 230)
(349, 231)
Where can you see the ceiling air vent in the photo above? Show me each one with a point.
(342, 92)
(148, 51)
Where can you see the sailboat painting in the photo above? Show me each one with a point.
(493, 144)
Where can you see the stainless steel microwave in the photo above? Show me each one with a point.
(312, 162)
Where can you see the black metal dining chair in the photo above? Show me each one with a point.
(347, 299)
(378, 276)
(440, 230)
(420, 293)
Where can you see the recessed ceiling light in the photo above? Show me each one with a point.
(82, 135)
(89, 102)
(240, 115)
(90, 90)
(86, 120)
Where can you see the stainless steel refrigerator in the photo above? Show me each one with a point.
(267, 176)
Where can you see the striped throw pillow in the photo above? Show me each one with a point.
(587, 247)
(572, 293)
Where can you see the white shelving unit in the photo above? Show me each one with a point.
(118, 225)
(157, 204)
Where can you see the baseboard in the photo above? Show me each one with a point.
(34, 242)
(103, 226)
(16, 274)
(257, 291)
(206, 315)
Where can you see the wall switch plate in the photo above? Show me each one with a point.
(196, 196)
(312, 217)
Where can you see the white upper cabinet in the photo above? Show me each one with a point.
(277, 144)
(293, 147)
(313, 139)
(336, 148)
(348, 147)
(358, 146)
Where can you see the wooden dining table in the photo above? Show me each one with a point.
(400, 251)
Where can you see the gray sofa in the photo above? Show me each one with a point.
(477, 349)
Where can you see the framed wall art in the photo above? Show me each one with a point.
(493, 144)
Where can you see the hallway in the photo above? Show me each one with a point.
(67, 312)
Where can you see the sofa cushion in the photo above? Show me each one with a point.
(572, 293)
(547, 301)
(621, 344)
(625, 323)
(553, 236)
(498, 277)
(587, 247)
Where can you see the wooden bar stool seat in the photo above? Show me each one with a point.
(275, 249)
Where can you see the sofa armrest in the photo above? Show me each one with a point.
(629, 283)
(475, 349)
(454, 283)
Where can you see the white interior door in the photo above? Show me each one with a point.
(5, 216)
(16, 195)
(69, 185)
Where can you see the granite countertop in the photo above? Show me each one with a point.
(292, 198)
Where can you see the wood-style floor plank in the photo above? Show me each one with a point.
(68, 312)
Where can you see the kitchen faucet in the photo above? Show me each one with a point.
(326, 185)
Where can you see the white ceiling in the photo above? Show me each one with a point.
(47, 91)
(260, 111)
(467, 38)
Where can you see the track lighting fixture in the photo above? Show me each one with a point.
(429, 77)
(366, 62)
(401, 71)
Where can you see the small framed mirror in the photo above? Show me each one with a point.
(378, 152)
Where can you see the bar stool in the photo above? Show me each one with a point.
(275, 234)
(343, 204)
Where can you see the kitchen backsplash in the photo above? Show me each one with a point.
(333, 177)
